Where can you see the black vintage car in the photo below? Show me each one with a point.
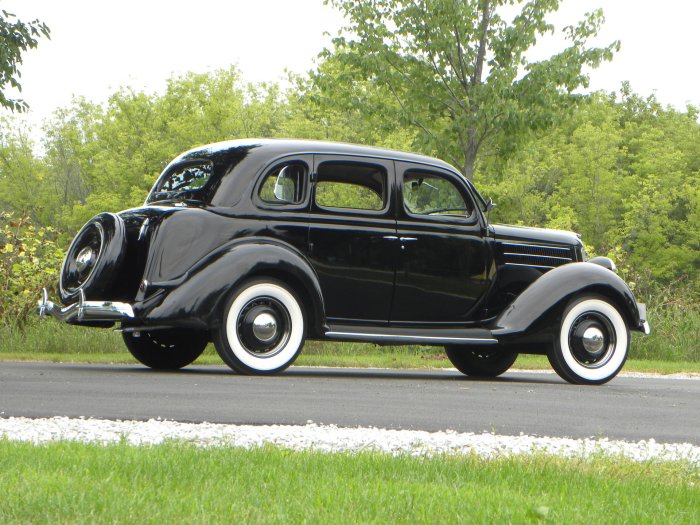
(258, 245)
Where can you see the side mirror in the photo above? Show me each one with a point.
(490, 205)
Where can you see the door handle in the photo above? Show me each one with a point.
(390, 238)
(408, 239)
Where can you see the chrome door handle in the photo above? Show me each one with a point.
(408, 239)
(390, 238)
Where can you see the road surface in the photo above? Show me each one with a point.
(667, 410)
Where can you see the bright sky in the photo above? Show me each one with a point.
(96, 47)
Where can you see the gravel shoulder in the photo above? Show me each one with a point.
(331, 438)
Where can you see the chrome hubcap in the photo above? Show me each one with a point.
(84, 259)
(265, 327)
(593, 340)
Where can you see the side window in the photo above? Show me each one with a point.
(284, 184)
(351, 185)
(427, 193)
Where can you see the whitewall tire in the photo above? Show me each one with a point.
(263, 328)
(592, 343)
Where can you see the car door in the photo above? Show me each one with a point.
(352, 236)
(444, 267)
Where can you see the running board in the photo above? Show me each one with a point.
(412, 336)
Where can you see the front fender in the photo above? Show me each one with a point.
(195, 300)
(535, 312)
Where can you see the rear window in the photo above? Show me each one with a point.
(183, 182)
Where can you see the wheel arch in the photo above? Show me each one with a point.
(311, 301)
(197, 300)
(533, 315)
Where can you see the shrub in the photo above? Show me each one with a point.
(30, 260)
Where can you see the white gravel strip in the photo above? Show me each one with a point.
(330, 438)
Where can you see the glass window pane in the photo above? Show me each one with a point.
(431, 194)
(351, 185)
(284, 185)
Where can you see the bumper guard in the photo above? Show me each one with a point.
(84, 310)
(644, 324)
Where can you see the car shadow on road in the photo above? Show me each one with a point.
(413, 375)
(331, 373)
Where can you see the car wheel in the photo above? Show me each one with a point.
(166, 349)
(93, 258)
(592, 343)
(480, 361)
(263, 328)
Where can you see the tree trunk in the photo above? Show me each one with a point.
(470, 152)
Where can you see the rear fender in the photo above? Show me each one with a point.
(534, 315)
(196, 299)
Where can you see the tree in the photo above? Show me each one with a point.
(16, 37)
(459, 71)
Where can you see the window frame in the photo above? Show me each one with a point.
(203, 190)
(387, 167)
(459, 185)
(306, 161)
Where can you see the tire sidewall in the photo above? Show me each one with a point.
(228, 343)
(563, 359)
(147, 350)
(495, 362)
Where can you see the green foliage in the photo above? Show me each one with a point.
(16, 37)
(24, 177)
(623, 173)
(343, 195)
(457, 71)
(29, 261)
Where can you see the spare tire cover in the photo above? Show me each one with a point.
(93, 259)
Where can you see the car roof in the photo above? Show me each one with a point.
(281, 147)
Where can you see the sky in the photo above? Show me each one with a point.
(97, 47)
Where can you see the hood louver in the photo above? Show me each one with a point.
(538, 256)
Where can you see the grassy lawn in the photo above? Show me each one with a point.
(175, 483)
(54, 342)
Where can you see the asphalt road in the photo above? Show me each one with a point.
(667, 410)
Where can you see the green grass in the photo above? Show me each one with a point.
(175, 483)
(675, 334)
(55, 342)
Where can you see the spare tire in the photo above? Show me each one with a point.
(93, 259)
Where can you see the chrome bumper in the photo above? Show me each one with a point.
(84, 310)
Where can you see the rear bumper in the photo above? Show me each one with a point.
(85, 310)
(643, 323)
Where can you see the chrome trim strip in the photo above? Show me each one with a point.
(84, 310)
(535, 246)
(142, 230)
(417, 338)
(541, 256)
(530, 265)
